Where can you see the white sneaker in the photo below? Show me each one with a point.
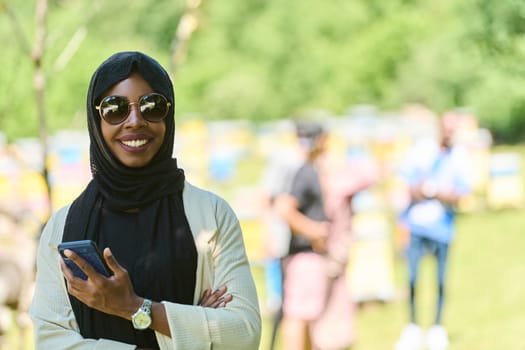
(412, 338)
(437, 338)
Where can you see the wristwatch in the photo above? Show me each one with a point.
(142, 318)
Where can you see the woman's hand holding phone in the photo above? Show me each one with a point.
(89, 251)
(112, 295)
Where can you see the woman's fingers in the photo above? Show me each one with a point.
(227, 298)
(223, 301)
(81, 263)
(219, 298)
(68, 274)
(205, 296)
(209, 299)
(112, 263)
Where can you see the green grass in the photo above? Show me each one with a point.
(485, 303)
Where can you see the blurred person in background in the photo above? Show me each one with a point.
(180, 275)
(19, 224)
(17, 271)
(309, 270)
(342, 178)
(276, 180)
(436, 177)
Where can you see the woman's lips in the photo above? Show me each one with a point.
(134, 143)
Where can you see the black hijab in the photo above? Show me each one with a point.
(155, 243)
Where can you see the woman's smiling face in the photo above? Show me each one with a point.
(135, 141)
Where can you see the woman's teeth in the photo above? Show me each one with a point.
(135, 143)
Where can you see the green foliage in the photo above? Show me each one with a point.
(269, 59)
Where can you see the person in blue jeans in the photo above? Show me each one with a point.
(436, 177)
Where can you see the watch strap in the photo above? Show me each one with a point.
(146, 305)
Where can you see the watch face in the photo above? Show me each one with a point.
(141, 320)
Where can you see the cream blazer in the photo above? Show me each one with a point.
(221, 261)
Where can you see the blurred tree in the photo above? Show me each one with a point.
(187, 24)
(268, 59)
(39, 85)
(497, 30)
(35, 54)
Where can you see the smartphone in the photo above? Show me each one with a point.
(88, 250)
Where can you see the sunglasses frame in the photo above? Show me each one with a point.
(99, 108)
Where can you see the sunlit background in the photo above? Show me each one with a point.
(377, 73)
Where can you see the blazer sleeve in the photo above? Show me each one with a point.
(53, 319)
(222, 262)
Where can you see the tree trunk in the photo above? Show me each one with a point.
(39, 84)
(187, 25)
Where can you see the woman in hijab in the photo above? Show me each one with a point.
(168, 244)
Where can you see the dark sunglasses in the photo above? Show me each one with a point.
(115, 109)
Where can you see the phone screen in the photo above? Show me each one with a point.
(88, 250)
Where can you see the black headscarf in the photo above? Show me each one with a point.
(155, 243)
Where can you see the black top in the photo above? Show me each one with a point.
(161, 266)
(307, 191)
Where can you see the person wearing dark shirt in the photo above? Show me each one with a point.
(304, 267)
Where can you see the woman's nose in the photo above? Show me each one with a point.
(135, 116)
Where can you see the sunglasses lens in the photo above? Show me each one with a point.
(153, 107)
(114, 109)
